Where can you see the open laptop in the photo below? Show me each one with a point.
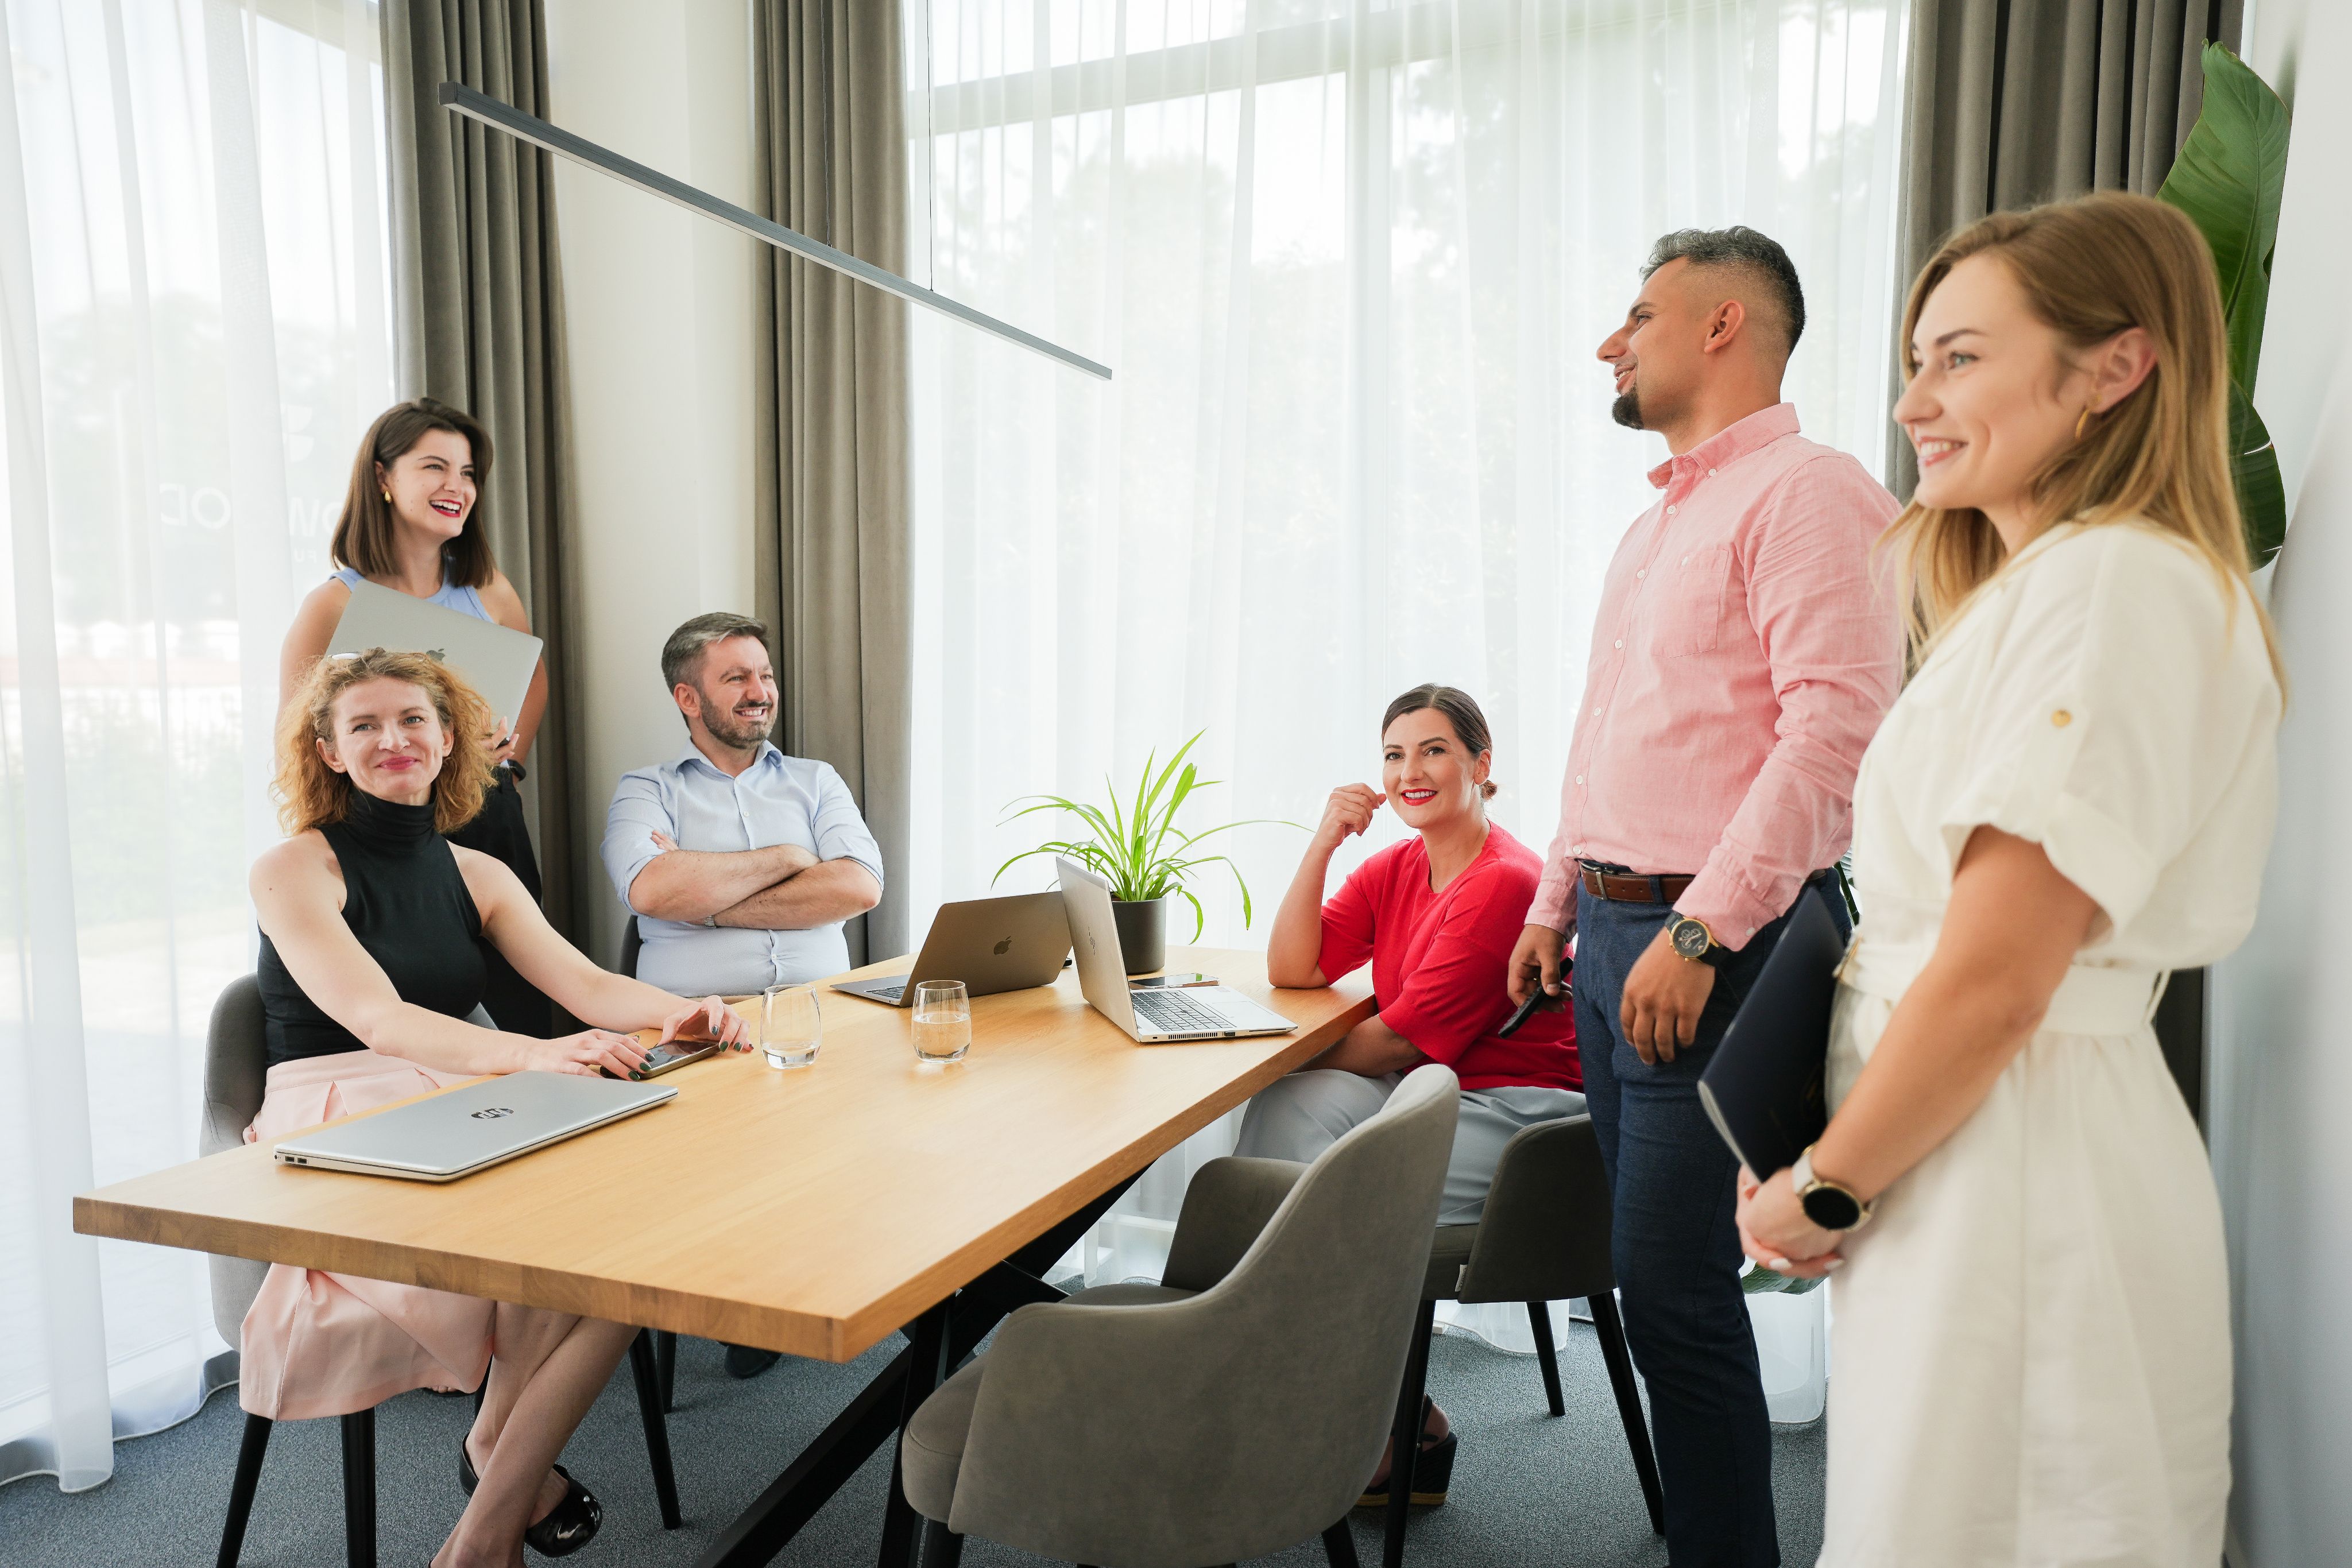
(471, 1129)
(991, 944)
(495, 661)
(1195, 1012)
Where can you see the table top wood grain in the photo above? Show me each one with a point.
(811, 1210)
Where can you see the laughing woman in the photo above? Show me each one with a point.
(1436, 915)
(375, 930)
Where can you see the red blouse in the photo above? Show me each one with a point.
(1440, 960)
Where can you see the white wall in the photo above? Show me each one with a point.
(2282, 1052)
(662, 321)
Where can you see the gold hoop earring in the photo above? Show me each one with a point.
(2080, 426)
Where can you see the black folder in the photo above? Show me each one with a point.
(1764, 1090)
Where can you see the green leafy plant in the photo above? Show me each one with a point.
(1136, 845)
(2230, 178)
(1762, 1282)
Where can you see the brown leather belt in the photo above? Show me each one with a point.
(1631, 887)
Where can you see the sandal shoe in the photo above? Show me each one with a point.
(1432, 1470)
(567, 1527)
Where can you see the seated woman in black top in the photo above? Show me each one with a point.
(374, 934)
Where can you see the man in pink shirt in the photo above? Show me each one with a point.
(1746, 647)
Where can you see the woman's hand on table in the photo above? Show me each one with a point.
(1774, 1231)
(708, 1019)
(589, 1052)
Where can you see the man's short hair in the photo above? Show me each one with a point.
(682, 654)
(1757, 254)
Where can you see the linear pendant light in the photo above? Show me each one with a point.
(478, 105)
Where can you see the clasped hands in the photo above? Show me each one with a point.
(1775, 1232)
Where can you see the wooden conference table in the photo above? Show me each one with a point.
(815, 1211)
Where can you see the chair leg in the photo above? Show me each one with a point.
(1610, 1330)
(1338, 1546)
(1404, 1447)
(1540, 1320)
(249, 1454)
(644, 1366)
(665, 1353)
(942, 1547)
(359, 1490)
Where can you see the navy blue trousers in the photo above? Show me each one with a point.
(1674, 1242)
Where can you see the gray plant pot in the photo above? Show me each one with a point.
(1142, 934)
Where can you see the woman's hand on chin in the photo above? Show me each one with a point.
(1774, 1231)
(708, 1019)
(1348, 811)
(590, 1051)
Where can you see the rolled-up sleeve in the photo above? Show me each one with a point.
(1822, 606)
(840, 829)
(638, 811)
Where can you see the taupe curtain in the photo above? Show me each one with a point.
(828, 94)
(2011, 102)
(480, 315)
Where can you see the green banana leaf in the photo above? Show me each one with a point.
(2229, 179)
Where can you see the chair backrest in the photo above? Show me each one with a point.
(236, 1065)
(633, 941)
(1545, 1234)
(1284, 1371)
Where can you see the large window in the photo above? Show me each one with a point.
(192, 311)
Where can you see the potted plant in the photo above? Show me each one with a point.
(1136, 846)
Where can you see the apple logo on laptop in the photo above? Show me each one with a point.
(492, 1113)
(1005, 947)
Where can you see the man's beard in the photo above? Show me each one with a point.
(726, 728)
(1627, 409)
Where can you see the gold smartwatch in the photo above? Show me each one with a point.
(1826, 1204)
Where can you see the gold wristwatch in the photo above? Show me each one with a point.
(1826, 1204)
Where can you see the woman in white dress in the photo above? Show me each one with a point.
(2072, 798)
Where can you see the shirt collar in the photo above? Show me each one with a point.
(769, 757)
(1729, 445)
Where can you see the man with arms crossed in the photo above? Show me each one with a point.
(1745, 650)
(740, 862)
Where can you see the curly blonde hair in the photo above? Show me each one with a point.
(309, 793)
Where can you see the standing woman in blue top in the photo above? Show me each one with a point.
(408, 524)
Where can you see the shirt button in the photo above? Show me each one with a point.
(1621, 642)
(1596, 713)
(2062, 719)
(1685, 560)
(1642, 574)
(1710, 473)
(1580, 779)
(1670, 511)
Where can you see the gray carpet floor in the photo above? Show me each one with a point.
(1527, 1490)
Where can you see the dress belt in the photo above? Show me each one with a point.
(1642, 887)
(2088, 1000)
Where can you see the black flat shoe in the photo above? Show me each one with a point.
(568, 1525)
(745, 1361)
(466, 1476)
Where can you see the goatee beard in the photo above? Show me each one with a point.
(727, 728)
(1627, 409)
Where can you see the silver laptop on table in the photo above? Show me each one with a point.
(495, 661)
(1195, 1012)
(471, 1129)
(991, 944)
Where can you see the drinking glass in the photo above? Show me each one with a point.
(942, 1020)
(790, 1029)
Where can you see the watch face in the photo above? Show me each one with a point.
(1689, 938)
(1831, 1209)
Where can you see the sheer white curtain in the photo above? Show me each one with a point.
(1349, 260)
(194, 331)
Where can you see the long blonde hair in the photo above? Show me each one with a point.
(2090, 269)
(309, 793)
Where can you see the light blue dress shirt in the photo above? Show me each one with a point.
(779, 800)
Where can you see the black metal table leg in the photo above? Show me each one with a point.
(666, 1355)
(644, 1367)
(926, 1368)
(359, 1489)
(249, 1454)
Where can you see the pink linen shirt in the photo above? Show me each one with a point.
(1746, 645)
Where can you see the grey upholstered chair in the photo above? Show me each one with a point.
(236, 1066)
(1233, 1410)
(1544, 1238)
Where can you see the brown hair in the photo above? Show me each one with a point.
(1460, 710)
(364, 533)
(310, 793)
(2090, 269)
(681, 656)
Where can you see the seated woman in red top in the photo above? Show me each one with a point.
(1437, 915)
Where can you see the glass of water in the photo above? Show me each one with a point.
(942, 1020)
(790, 1027)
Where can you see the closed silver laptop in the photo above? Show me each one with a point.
(991, 944)
(495, 661)
(1194, 1012)
(471, 1129)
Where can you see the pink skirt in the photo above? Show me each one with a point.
(316, 1343)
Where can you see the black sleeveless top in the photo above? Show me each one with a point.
(408, 903)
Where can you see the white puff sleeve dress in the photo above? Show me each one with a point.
(2031, 1362)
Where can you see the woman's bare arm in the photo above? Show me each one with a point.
(1373, 1049)
(505, 605)
(312, 628)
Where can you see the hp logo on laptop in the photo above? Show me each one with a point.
(493, 1113)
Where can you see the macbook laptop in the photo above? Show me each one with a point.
(1195, 1012)
(470, 1129)
(991, 944)
(495, 661)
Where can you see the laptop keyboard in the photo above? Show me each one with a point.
(889, 993)
(1176, 1013)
